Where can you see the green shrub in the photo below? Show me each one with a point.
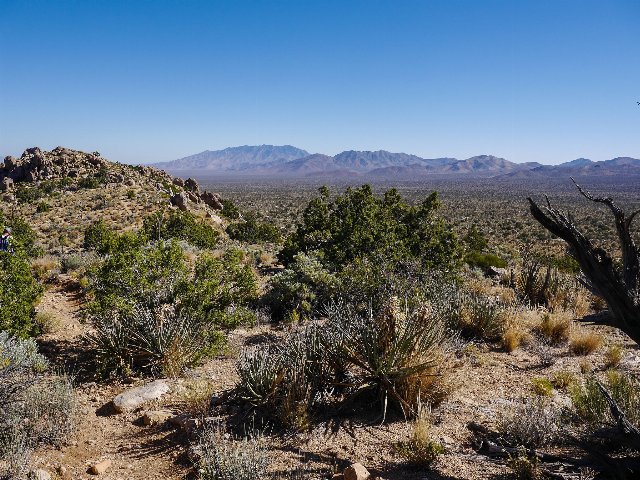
(357, 224)
(591, 406)
(230, 210)
(19, 293)
(251, 230)
(476, 251)
(541, 387)
(220, 290)
(43, 207)
(136, 274)
(23, 236)
(300, 289)
(180, 225)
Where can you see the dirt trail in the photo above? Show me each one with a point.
(136, 451)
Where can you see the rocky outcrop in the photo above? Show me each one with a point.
(179, 200)
(212, 200)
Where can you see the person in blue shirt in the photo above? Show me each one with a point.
(5, 241)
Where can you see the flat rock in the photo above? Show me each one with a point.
(156, 417)
(131, 399)
(39, 474)
(100, 467)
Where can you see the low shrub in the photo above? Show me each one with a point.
(43, 207)
(541, 387)
(525, 466)
(298, 291)
(533, 422)
(34, 409)
(564, 380)
(46, 322)
(222, 458)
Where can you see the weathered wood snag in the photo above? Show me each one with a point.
(617, 284)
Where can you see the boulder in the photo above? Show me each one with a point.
(9, 162)
(212, 200)
(356, 471)
(178, 181)
(131, 399)
(191, 185)
(185, 422)
(7, 184)
(179, 200)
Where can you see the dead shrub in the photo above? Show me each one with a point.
(533, 422)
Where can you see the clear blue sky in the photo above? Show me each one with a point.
(139, 81)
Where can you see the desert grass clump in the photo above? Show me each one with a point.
(196, 398)
(512, 337)
(563, 380)
(555, 328)
(533, 422)
(541, 387)
(421, 449)
(47, 322)
(525, 466)
(477, 315)
(613, 356)
(585, 343)
(222, 458)
(591, 407)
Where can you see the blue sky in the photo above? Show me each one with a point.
(139, 81)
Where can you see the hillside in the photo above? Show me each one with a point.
(288, 161)
(62, 191)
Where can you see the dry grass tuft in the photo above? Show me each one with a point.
(47, 322)
(585, 343)
(555, 327)
(613, 356)
(421, 449)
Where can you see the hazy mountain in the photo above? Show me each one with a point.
(235, 159)
(289, 161)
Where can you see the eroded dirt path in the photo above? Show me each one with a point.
(136, 451)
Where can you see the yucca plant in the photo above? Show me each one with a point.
(394, 351)
(261, 370)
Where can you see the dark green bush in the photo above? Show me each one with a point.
(251, 230)
(89, 182)
(135, 273)
(477, 252)
(230, 210)
(220, 291)
(303, 287)
(180, 225)
(23, 236)
(19, 292)
(358, 224)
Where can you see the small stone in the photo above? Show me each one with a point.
(131, 399)
(185, 422)
(39, 474)
(156, 417)
(356, 472)
(100, 467)
(337, 476)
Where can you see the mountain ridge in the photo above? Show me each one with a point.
(290, 161)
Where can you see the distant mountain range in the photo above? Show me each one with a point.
(289, 161)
